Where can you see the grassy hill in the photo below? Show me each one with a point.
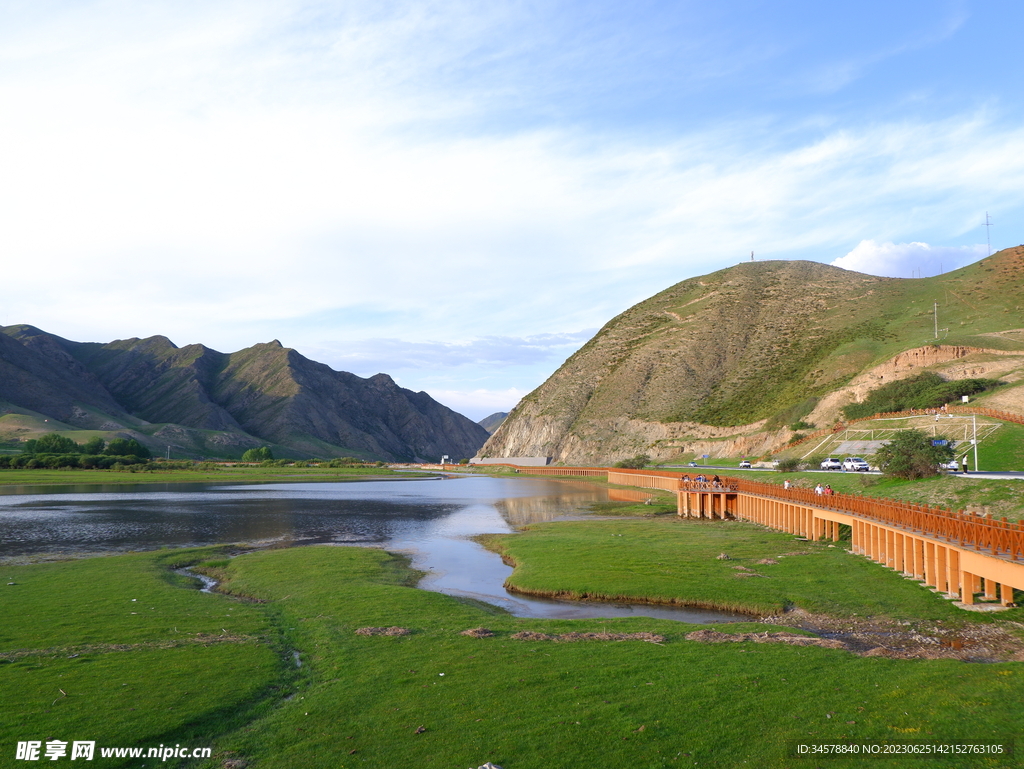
(742, 353)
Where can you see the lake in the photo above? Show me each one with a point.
(431, 520)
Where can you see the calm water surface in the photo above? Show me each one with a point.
(430, 520)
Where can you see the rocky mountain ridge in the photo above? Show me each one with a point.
(201, 401)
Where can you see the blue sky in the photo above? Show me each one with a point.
(460, 194)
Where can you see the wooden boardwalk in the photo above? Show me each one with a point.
(957, 553)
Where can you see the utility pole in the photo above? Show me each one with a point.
(988, 233)
(974, 422)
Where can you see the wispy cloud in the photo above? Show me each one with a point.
(375, 355)
(478, 404)
(428, 188)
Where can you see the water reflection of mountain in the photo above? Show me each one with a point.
(522, 510)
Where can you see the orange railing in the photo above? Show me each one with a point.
(1001, 538)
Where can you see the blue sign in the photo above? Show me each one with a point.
(939, 442)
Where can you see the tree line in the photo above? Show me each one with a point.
(55, 451)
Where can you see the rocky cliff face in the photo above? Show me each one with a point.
(492, 422)
(263, 394)
(721, 364)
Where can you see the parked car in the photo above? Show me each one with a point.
(952, 465)
(745, 464)
(831, 464)
(857, 464)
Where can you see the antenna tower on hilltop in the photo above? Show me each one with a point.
(988, 233)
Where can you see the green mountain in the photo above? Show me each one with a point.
(724, 363)
(203, 402)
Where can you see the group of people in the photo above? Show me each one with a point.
(821, 491)
(715, 482)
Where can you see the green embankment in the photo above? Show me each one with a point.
(221, 474)
(435, 698)
(668, 560)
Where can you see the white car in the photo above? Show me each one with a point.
(831, 464)
(857, 464)
(952, 465)
(745, 464)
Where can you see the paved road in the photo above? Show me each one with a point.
(998, 474)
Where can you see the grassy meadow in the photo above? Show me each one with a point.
(143, 658)
(124, 651)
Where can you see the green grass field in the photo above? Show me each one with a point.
(176, 665)
(123, 651)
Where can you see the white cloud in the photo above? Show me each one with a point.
(477, 404)
(369, 356)
(908, 260)
(409, 185)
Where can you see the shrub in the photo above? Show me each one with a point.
(911, 454)
(638, 462)
(924, 391)
(262, 454)
(788, 465)
(55, 443)
(344, 462)
(95, 445)
(127, 447)
(814, 463)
